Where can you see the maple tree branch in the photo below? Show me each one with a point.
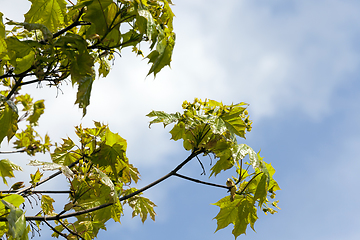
(199, 181)
(40, 191)
(74, 24)
(18, 82)
(16, 151)
(194, 153)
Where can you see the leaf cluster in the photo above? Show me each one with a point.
(213, 128)
(98, 173)
(57, 42)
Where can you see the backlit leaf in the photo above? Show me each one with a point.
(163, 117)
(37, 111)
(84, 92)
(261, 190)
(35, 178)
(47, 204)
(50, 13)
(2, 36)
(21, 54)
(143, 207)
(161, 57)
(8, 122)
(7, 168)
(16, 220)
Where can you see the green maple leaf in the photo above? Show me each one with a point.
(114, 138)
(15, 199)
(161, 57)
(7, 168)
(50, 13)
(261, 190)
(240, 212)
(8, 122)
(62, 154)
(163, 117)
(97, 14)
(21, 54)
(84, 92)
(16, 221)
(2, 36)
(35, 178)
(143, 207)
(234, 123)
(145, 21)
(38, 110)
(47, 204)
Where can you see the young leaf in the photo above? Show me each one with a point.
(50, 13)
(239, 212)
(163, 117)
(47, 204)
(2, 36)
(261, 190)
(21, 53)
(142, 206)
(96, 14)
(35, 178)
(161, 57)
(84, 91)
(8, 122)
(14, 199)
(7, 168)
(48, 166)
(38, 110)
(107, 181)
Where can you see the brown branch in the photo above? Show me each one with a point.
(18, 82)
(16, 151)
(40, 191)
(199, 181)
(74, 24)
(194, 153)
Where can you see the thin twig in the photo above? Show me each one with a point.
(70, 231)
(202, 166)
(240, 177)
(199, 181)
(74, 24)
(52, 228)
(249, 183)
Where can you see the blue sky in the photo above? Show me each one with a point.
(295, 62)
